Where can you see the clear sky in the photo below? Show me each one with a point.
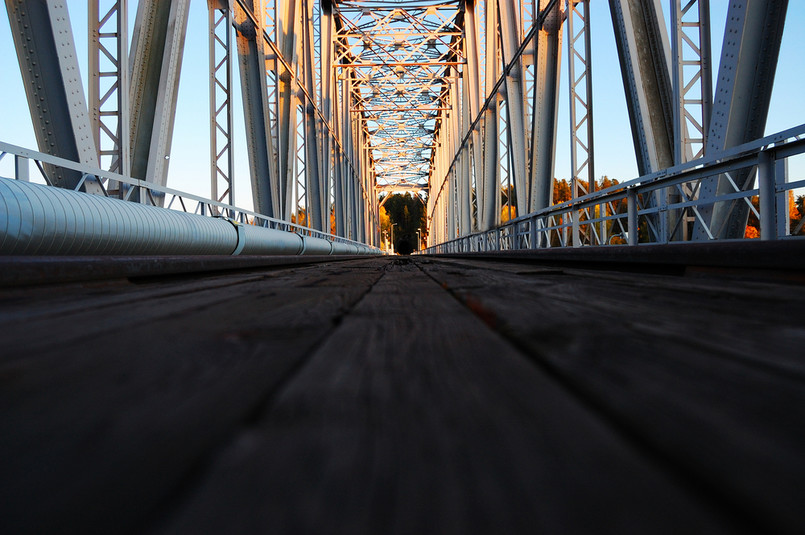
(613, 146)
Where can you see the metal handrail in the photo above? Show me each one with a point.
(148, 190)
(533, 231)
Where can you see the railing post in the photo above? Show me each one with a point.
(21, 169)
(631, 214)
(766, 197)
(780, 180)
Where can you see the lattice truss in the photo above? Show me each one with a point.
(400, 56)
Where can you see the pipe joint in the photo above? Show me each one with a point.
(241, 234)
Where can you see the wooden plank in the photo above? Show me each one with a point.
(106, 411)
(705, 374)
(415, 417)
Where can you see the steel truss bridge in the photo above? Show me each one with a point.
(623, 361)
(347, 101)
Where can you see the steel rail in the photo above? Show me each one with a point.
(778, 146)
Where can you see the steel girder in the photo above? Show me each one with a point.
(746, 72)
(489, 209)
(645, 57)
(545, 107)
(472, 83)
(222, 170)
(156, 58)
(287, 30)
(510, 38)
(644, 52)
(329, 176)
(252, 57)
(43, 39)
(691, 77)
(316, 189)
(109, 87)
(579, 61)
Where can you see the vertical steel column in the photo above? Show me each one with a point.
(690, 52)
(156, 60)
(464, 184)
(287, 31)
(109, 87)
(509, 23)
(339, 164)
(581, 147)
(251, 63)
(315, 190)
(644, 53)
(645, 57)
(546, 107)
(222, 185)
(691, 60)
(472, 83)
(767, 197)
(490, 215)
(749, 55)
(43, 39)
(326, 74)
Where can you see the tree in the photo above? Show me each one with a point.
(407, 212)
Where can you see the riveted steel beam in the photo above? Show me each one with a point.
(156, 58)
(251, 61)
(489, 212)
(43, 39)
(510, 38)
(746, 72)
(109, 85)
(222, 171)
(644, 53)
(546, 107)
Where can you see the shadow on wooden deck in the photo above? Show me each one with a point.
(391, 395)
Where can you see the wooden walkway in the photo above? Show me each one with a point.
(402, 395)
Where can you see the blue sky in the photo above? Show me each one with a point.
(614, 151)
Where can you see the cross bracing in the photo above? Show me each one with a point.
(456, 100)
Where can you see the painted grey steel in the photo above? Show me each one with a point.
(472, 84)
(315, 188)
(746, 72)
(156, 58)
(582, 153)
(251, 61)
(43, 39)
(644, 53)
(222, 168)
(770, 154)
(545, 107)
(645, 56)
(691, 70)
(511, 40)
(490, 211)
(326, 75)
(22, 168)
(287, 31)
(109, 88)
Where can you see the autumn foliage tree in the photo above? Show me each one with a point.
(796, 211)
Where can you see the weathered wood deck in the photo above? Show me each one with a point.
(397, 395)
